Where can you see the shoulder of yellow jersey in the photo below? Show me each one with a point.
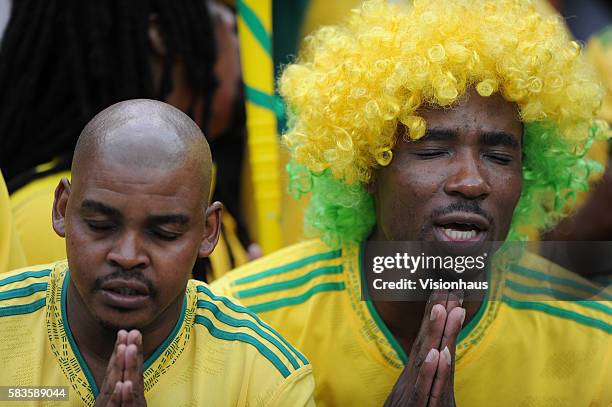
(538, 285)
(225, 319)
(23, 291)
(285, 278)
(11, 252)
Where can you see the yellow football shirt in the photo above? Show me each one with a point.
(218, 354)
(31, 206)
(514, 352)
(11, 255)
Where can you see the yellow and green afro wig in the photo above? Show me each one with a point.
(354, 83)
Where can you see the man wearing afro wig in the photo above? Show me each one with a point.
(438, 121)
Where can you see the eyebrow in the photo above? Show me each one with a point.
(439, 135)
(95, 206)
(499, 138)
(489, 138)
(168, 219)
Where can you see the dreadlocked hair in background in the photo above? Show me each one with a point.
(354, 83)
(65, 60)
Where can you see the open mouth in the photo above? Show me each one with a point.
(126, 291)
(460, 232)
(125, 294)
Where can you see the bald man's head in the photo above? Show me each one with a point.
(144, 133)
(137, 209)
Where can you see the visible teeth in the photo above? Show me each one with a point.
(125, 291)
(460, 234)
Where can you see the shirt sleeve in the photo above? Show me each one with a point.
(296, 390)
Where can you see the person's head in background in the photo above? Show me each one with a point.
(66, 60)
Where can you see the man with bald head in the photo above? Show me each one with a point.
(120, 323)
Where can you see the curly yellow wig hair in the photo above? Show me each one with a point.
(354, 83)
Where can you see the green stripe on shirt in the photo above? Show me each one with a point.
(285, 285)
(242, 337)
(538, 275)
(23, 291)
(289, 266)
(25, 275)
(558, 296)
(242, 310)
(298, 299)
(22, 309)
(558, 312)
(243, 323)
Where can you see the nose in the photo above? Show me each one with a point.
(127, 252)
(466, 178)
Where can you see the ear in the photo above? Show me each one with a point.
(60, 202)
(213, 228)
(155, 38)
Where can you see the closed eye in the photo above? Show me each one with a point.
(164, 235)
(502, 159)
(101, 226)
(429, 154)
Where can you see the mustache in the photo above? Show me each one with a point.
(463, 206)
(122, 274)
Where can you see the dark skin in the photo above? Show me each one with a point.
(227, 70)
(470, 158)
(132, 235)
